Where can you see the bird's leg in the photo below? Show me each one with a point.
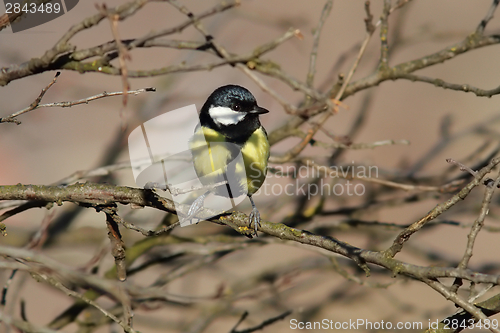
(196, 207)
(254, 216)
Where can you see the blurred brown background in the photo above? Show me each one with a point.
(52, 143)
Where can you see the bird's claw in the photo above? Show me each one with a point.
(254, 218)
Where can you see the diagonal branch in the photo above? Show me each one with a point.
(405, 235)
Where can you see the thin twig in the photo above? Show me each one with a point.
(443, 142)
(453, 86)
(24, 326)
(265, 323)
(369, 18)
(341, 145)
(5, 289)
(338, 97)
(224, 54)
(123, 53)
(35, 106)
(489, 15)
(324, 170)
(462, 167)
(470, 308)
(147, 232)
(384, 31)
(126, 327)
(405, 235)
(62, 50)
(475, 229)
(117, 245)
(317, 33)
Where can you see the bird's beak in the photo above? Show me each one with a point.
(259, 110)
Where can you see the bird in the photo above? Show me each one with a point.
(230, 145)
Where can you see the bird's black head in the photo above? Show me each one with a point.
(233, 111)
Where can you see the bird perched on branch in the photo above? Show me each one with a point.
(230, 145)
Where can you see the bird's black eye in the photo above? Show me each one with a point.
(236, 107)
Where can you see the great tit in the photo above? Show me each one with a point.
(230, 145)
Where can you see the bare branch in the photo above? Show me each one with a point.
(126, 327)
(470, 308)
(370, 28)
(453, 86)
(317, 33)
(117, 245)
(438, 210)
(262, 325)
(35, 105)
(24, 326)
(123, 54)
(62, 50)
(384, 31)
(489, 15)
(476, 227)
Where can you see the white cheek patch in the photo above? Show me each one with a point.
(225, 116)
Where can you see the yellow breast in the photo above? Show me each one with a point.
(212, 154)
(255, 156)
